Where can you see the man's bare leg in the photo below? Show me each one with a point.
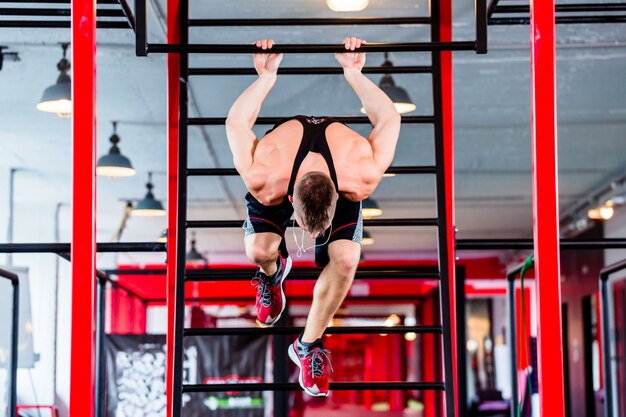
(262, 249)
(331, 287)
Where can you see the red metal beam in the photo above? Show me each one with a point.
(447, 97)
(173, 93)
(83, 343)
(546, 207)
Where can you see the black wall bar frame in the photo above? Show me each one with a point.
(15, 323)
(143, 47)
(182, 275)
(518, 14)
(108, 18)
(605, 312)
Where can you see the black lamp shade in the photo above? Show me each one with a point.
(114, 164)
(58, 97)
(149, 206)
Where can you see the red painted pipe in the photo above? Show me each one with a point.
(546, 208)
(83, 342)
(173, 92)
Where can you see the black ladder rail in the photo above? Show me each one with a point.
(308, 49)
(512, 310)
(219, 121)
(202, 275)
(212, 224)
(239, 331)
(195, 172)
(442, 230)
(335, 386)
(181, 236)
(15, 323)
(360, 21)
(411, 69)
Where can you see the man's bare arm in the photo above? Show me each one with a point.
(379, 108)
(245, 110)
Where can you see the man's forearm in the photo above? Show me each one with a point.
(376, 103)
(247, 107)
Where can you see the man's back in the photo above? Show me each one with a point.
(274, 156)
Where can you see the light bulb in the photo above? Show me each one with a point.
(347, 5)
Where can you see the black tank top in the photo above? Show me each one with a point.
(313, 140)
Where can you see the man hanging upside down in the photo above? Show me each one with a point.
(319, 170)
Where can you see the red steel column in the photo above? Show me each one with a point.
(546, 207)
(83, 343)
(173, 92)
(447, 101)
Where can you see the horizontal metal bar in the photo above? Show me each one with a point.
(314, 48)
(414, 69)
(21, 11)
(397, 299)
(9, 275)
(566, 244)
(220, 121)
(59, 24)
(566, 8)
(196, 172)
(66, 247)
(212, 224)
(195, 275)
(261, 331)
(334, 386)
(561, 20)
(361, 21)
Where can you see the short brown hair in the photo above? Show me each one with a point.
(315, 200)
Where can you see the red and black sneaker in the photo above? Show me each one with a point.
(315, 367)
(270, 297)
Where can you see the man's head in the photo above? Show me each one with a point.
(314, 201)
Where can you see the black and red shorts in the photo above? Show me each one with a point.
(347, 224)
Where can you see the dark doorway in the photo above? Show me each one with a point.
(588, 339)
(565, 324)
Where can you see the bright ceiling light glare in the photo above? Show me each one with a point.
(347, 5)
(606, 212)
(370, 208)
(57, 98)
(594, 214)
(388, 175)
(163, 237)
(114, 164)
(392, 320)
(149, 206)
(411, 336)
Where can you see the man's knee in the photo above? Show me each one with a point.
(345, 263)
(261, 250)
